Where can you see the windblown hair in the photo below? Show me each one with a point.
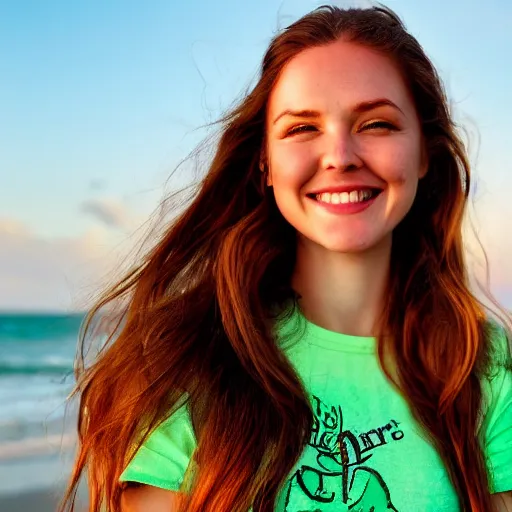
(199, 310)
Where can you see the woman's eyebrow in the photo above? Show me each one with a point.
(365, 106)
(297, 113)
(361, 107)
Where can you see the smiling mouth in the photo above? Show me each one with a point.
(353, 196)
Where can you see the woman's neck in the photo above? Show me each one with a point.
(342, 292)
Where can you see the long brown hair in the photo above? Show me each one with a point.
(198, 311)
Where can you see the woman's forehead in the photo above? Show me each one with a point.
(343, 72)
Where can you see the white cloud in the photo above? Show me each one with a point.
(109, 212)
(54, 274)
(13, 227)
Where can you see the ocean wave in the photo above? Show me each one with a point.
(57, 367)
(34, 328)
(44, 445)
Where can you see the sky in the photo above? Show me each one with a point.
(100, 100)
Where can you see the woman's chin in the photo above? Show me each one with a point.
(346, 246)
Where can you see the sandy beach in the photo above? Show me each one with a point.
(33, 475)
(34, 501)
(42, 501)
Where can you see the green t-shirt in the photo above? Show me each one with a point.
(387, 464)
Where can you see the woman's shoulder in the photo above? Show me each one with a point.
(164, 458)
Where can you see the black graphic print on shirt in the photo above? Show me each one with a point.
(339, 474)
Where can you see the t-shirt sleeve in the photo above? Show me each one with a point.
(497, 425)
(164, 458)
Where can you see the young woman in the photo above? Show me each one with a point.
(304, 337)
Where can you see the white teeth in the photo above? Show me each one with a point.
(354, 196)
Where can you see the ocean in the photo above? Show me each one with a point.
(37, 352)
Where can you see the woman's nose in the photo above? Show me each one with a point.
(340, 153)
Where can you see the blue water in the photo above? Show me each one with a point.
(36, 371)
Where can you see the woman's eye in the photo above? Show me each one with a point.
(300, 129)
(379, 124)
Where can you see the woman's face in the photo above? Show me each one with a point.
(344, 146)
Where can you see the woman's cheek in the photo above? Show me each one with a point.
(394, 167)
(292, 165)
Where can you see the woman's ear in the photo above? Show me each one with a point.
(265, 168)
